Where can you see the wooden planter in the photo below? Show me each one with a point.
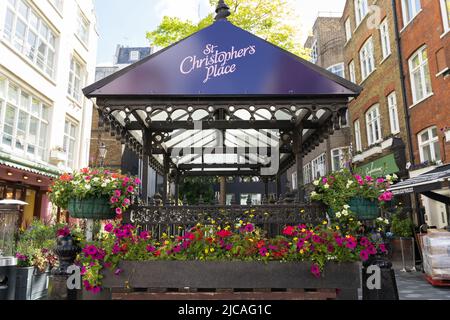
(343, 280)
(31, 284)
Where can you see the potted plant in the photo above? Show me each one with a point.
(364, 196)
(235, 255)
(94, 194)
(401, 240)
(35, 260)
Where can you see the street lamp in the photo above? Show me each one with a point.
(102, 151)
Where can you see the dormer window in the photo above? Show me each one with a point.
(134, 55)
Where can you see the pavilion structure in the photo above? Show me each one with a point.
(222, 102)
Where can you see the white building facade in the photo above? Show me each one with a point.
(48, 52)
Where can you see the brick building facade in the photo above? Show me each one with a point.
(425, 48)
(326, 45)
(378, 119)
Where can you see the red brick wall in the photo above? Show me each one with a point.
(427, 29)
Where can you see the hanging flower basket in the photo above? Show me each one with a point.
(364, 209)
(91, 208)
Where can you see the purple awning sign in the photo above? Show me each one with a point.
(222, 60)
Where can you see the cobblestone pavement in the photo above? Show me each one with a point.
(413, 286)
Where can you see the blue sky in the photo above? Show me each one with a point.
(126, 21)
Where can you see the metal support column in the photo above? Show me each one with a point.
(147, 153)
(298, 148)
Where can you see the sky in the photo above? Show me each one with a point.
(127, 21)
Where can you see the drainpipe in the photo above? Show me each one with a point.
(409, 134)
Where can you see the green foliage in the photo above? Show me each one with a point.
(272, 20)
(194, 187)
(402, 226)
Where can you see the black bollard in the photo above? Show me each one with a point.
(388, 285)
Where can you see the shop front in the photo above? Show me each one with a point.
(28, 184)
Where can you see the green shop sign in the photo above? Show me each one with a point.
(379, 167)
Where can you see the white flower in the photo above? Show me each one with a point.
(395, 176)
(104, 185)
(345, 213)
(107, 181)
(316, 183)
(326, 186)
(338, 215)
(389, 177)
(87, 186)
(313, 194)
(386, 221)
(96, 179)
(346, 207)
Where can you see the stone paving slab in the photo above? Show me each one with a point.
(414, 286)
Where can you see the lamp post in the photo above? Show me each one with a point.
(102, 151)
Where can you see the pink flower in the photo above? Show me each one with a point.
(130, 189)
(137, 181)
(351, 244)
(64, 232)
(117, 193)
(150, 248)
(380, 180)
(126, 202)
(324, 180)
(176, 249)
(289, 231)
(371, 250)
(144, 235)
(118, 211)
(315, 270)
(109, 227)
(383, 248)
(83, 270)
(263, 251)
(96, 290)
(387, 196)
(114, 200)
(364, 255)
(249, 228)
(364, 242)
(369, 179)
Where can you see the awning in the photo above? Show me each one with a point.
(27, 166)
(426, 183)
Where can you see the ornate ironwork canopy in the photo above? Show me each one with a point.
(222, 102)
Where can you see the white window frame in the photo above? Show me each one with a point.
(352, 71)
(58, 4)
(393, 112)
(319, 165)
(338, 67)
(76, 79)
(307, 173)
(373, 125)
(342, 152)
(385, 39)
(445, 9)
(294, 181)
(348, 29)
(70, 161)
(39, 41)
(358, 140)
(35, 111)
(367, 59)
(314, 52)
(431, 142)
(361, 11)
(134, 55)
(82, 31)
(409, 16)
(424, 73)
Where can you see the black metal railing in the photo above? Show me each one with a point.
(174, 220)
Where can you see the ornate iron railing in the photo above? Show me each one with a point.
(173, 220)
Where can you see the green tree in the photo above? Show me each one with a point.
(273, 20)
(194, 187)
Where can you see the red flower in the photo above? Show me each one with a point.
(66, 177)
(223, 234)
(289, 231)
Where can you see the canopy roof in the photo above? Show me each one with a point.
(250, 65)
(252, 99)
(427, 182)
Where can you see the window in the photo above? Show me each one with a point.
(445, 7)
(314, 52)
(318, 167)
(256, 199)
(361, 10)
(429, 147)
(420, 75)
(348, 29)
(58, 4)
(294, 181)
(358, 140)
(24, 121)
(30, 35)
(339, 158)
(352, 72)
(83, 27)
(366, 56)
(373, 123)
(76, 77)
(307, 174)
(134, 55)
(393, 113)
(338, 69)
(410, 9)
(385, 40)
(70, 134)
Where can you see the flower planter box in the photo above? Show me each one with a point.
(31, 284)
(363, 208)
(91, 208)
(345, 277)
